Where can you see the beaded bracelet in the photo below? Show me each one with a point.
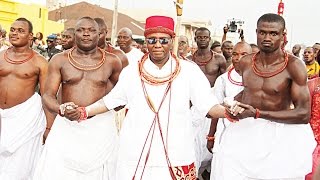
(210, 138)
(230, 118)
(257, 115)
(83, 114)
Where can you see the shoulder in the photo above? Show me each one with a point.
(113, 59)
(219, 57)
(297, 69)
(59, 58)
(111, 56)
(38, 57)
(39, 61)
(121, 55)
(295, 64)
(118, 52)
(246, 59)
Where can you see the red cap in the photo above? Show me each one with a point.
(159, 24)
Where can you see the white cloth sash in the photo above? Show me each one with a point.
(21, 123)
(264, 149)
(83, 146)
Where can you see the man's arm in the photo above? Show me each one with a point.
(96, 108)
(116, 69)
(212, 131)
(219, 92)
(225, 31)
(122, 56)
(217, 111)
(52, 85)
(222, 63)
(43, 66)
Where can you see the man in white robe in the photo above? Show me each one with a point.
(22, 118)
(157, 136)
(227, 86)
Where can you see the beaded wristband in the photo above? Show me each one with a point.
(230, 118)
(210, 138)
(83, 114)
(257, 115)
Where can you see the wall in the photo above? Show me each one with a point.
(38, 15)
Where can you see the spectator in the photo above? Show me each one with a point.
(216, 47)
(296, 50)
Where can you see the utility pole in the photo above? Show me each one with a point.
(179, 7)
(114, 23)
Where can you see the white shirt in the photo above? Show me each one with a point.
(190, 85)
(223, 88)
(134, 55)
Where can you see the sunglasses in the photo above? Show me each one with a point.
(181, 43)
(155, 40)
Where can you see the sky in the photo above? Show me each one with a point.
(302, 16)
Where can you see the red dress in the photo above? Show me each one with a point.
(314, 87)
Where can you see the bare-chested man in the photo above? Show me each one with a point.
(271, 140)
(22, 119)
(212, 64)
(103, 45)
(80, 149)
(226, 48)
(67, 39)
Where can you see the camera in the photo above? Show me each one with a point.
(233, 27)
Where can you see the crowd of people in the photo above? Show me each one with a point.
(76, 107)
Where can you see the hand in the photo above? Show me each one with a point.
(67, 105)
(235, 108)
(71, 112)
(240, 31)
(210, 145)
(248, 111)
(225, 29)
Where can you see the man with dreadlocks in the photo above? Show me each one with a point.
(271, 140)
